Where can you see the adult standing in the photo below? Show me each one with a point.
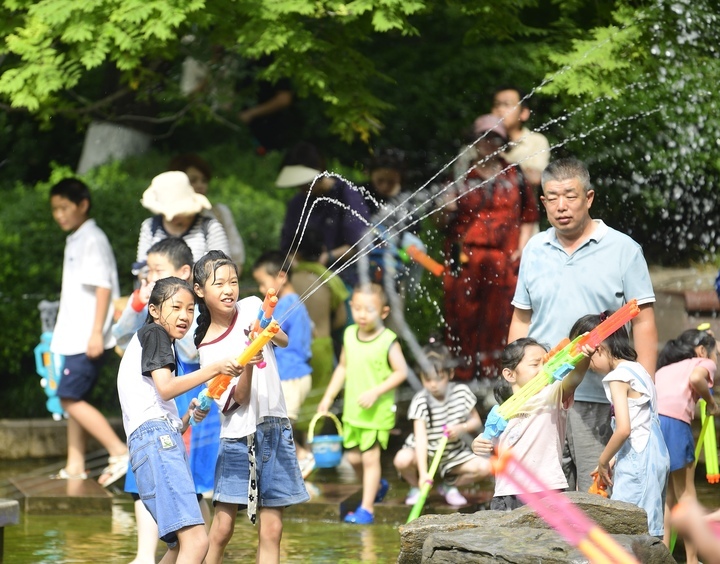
(529, 149)
(487, 228)
(325, 203)
(581, 266)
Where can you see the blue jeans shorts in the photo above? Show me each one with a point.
(279, 479)
(679, 440)
(164, 481)
(79, 376)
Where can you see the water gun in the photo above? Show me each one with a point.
(425, 490)
(265, 315)
(559, 365)
(50, 367)
(422, 258)
(598, 487)
(574, 526)
(220, 383)
(709, 442)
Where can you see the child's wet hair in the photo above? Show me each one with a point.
(203, 271)
(372, 288)
(175, 250)
(512, 355)
(165, 289)
(617, 343)
(683, 347)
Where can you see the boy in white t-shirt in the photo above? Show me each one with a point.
(82, 331)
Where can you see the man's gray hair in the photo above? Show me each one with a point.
(565, 169)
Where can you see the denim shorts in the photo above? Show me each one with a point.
(79, 376)
(279, 479)
(164, 482)
(679, 440)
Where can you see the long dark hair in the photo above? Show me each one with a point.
(203, 270)
(164, 289)
(683, 347)
(618, 343)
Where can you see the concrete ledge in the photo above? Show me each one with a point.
(9, 512)
(41, 438)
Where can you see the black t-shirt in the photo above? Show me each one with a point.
(157, 349)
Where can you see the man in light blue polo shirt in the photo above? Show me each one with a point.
(581, 266)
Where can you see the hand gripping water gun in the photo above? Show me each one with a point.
(219, 384)
(264, 316)
(425, 490)
(598, 487)
(561, 514)
(559, 365)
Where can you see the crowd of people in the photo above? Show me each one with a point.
(621, 417)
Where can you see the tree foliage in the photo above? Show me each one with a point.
(637, 100)
(58, 56)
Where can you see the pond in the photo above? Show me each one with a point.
(44, 539)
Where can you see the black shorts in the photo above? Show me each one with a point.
(79, 376)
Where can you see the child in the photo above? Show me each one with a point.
(147, 386)
(257, 464)
(694, 522)
(441, 403)
(270, 271)
(641, 458)
(171, 257)
(82, 331)
(537, 434)
(371, 367)
(686, 371)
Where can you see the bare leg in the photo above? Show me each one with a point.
(147, 533)
(471, 471)
(371, 472)
(406, 465)
(270, 527)
(94, 423)
(193, 544)
(221, 531)
(206, 513)
(76, 438)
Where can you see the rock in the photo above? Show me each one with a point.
(521, 536)
(526, 545)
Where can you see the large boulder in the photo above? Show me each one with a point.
(521, 536)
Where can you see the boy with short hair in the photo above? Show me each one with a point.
(270, 271)
(371, 366)
(82, 331)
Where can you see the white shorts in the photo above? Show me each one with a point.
(295, 392)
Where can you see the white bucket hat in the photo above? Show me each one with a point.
(171, 194)
(295, 175)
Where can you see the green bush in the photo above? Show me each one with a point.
(31, 251)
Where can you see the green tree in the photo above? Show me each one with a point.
(86, 59)
(637, 100)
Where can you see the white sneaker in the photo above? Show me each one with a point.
(452, 496)
(307, 465)
(412, 496)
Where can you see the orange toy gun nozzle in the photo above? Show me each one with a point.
(424, 260)
(258, 343)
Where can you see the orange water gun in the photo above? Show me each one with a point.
(424, 260)
(598, 486)
(220, 383)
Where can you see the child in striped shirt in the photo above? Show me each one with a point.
(441, 403)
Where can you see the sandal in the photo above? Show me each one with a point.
(117, 467)
(64, 475)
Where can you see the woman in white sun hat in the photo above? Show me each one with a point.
(178, 214)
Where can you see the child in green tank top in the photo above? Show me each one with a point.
(371, 366)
